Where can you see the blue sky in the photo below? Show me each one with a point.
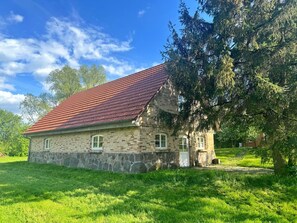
(37, 37)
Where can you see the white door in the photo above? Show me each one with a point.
(183, 152)
(184, 159)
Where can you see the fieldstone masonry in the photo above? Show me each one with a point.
(116, 162)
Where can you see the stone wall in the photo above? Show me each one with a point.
(209, 145)
(206, 155)
(150, 123)
(116, 162)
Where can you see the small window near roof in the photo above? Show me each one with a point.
(47, 144)
(201, 142)
(161, 141)
(180, 101)
(97, 142)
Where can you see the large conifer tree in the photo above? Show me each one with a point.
(240, 65)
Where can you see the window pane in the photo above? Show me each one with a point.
(46, 143)
(201, 142)
(163, 141)
(157, 143)
(181, 147)
(157, 137)
(157, 140)
(100, 141)
(95, 142)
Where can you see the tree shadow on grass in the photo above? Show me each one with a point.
(164, 196)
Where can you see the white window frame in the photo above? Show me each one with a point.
(160, 139)
(180, 101)
(182, 143)
(98, 147)
(47, 144)
(201, 142)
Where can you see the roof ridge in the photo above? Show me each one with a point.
(125, 77)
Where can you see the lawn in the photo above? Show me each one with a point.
(246, 157)
(46, 193)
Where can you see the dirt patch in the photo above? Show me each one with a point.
(238, 169)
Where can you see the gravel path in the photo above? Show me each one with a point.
(238, 169)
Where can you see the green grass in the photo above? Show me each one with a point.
(245, 157)
(8, 159)
(46, 193)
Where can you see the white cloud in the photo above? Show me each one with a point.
(140, 69)
(5, 86)
(119, 69)
(141, 13)
(15, 18)
(11, 19)
(122, 68)
(65, 42)
(10, 102)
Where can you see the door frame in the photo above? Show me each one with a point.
(187, 151)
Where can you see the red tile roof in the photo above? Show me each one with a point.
(119, 100)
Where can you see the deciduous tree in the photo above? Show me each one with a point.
(91, 76)
(35, 107)
(12, 141)
(63, 83)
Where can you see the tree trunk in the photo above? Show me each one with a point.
(278, 162)
(191, 158)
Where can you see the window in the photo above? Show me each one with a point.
(181, 100)
(201, 142)
(97, 142)
(183, 144)
(47, 144)
(160, 141)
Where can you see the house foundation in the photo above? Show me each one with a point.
(115, 162)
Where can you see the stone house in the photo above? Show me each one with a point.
(116, 127)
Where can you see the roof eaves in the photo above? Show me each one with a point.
(86, 128)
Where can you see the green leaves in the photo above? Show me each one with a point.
(240, 66)
(68, 81)
(11, 140)
(91, 76)
(35, 107)
(225, 76)
(62, 83)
